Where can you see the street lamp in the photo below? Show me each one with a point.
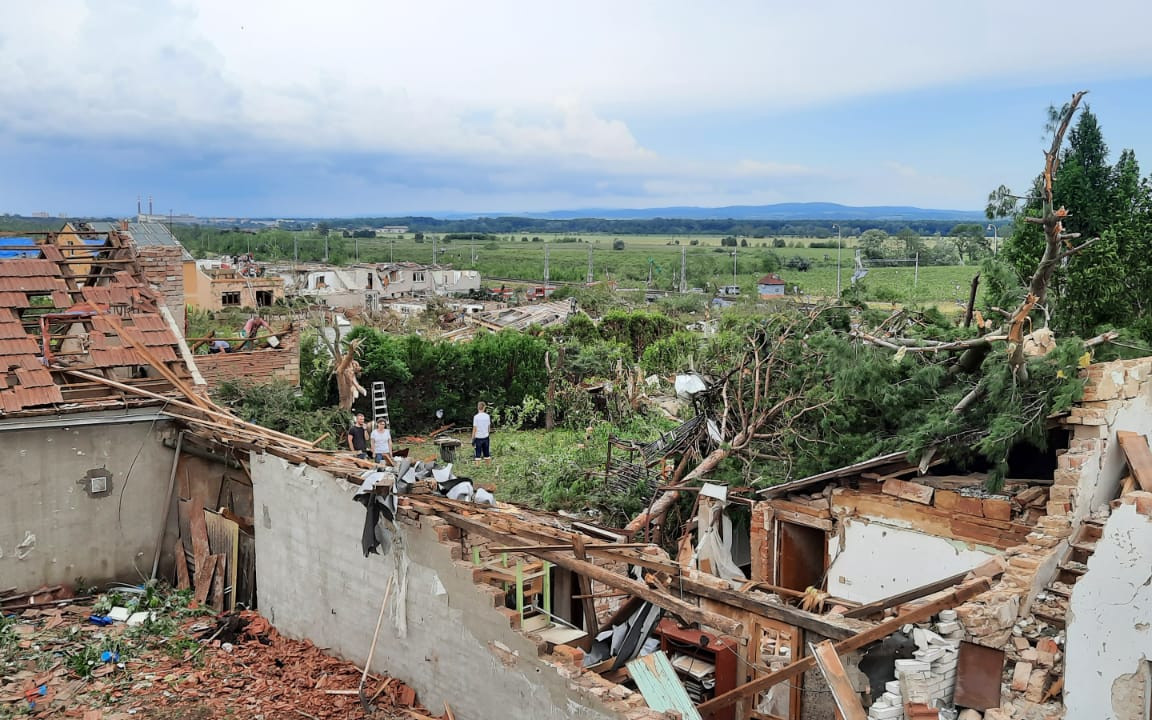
(995, 238)
(838, 248)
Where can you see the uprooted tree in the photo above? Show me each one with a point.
(807, 394)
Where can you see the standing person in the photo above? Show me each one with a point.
(382, 442)
(358, 437)
(481, 428)
(252, 329)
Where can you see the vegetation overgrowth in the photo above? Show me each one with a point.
(834, 382)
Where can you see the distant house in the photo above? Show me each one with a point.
(770, 286)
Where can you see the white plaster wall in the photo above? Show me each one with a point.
(875, 560)
(314, 582)
(1110, 618)
(99, 538)
(1101, 474)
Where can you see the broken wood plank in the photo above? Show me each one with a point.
(183, 582)
(202, 582)
(910, 491)
(198, 528)
(660, 686)
(957, 597)
(846, 698)
(218, 583)
(1135, 447)
(819, 511)
(806, 520)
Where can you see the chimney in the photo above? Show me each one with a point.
(124, 225)
(137, 206)
(149, 205)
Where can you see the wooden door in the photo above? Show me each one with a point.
(802, 557)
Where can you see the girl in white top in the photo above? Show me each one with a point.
(382, 442)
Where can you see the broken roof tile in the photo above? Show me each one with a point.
(26, 383)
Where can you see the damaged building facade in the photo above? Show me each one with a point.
(898, 587)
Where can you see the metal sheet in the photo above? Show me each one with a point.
(660, 685)
(978, 673)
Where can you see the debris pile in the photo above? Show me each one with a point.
(176, 661)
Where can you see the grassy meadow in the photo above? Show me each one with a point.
(708, 264)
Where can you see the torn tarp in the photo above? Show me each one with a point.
(377, 506)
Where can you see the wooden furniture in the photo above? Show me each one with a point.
(708, 648)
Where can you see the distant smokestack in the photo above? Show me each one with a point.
(137, 204)
(149, 204)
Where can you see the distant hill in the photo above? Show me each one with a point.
(779, 211)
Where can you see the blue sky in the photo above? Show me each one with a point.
(285, 108)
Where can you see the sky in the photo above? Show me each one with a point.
(280, 108)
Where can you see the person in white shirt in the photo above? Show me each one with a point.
(382, 442)
(481, 427)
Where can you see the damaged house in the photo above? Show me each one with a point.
(897, 587)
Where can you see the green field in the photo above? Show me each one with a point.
(708, 265)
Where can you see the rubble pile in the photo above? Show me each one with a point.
(173, 660)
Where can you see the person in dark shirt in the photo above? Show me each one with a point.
(358, 437)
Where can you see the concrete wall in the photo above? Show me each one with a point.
(1110, 619)
(876, 560)
(97, 537)
(315, 583)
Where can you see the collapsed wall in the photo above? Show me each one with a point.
(1030, 602)
(442, 634)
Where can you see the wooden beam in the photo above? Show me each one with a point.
(957, 597)
(560, 548)
(846, 698)
(674, 605)
(1136, 451)
(879, 606)
(780, 612)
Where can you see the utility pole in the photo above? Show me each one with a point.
(295, 248)
(916, 275)
(325, 248)
(683, 268)
(591, 277)
(545, 268)
(356, 247)
(473, 254)
(838, 248)
(433, 249)
(392, 250)
(733, 266)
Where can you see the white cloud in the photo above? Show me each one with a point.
(513, 84)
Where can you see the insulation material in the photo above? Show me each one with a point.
(715, 545)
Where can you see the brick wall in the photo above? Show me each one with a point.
(164, 270)
(259, 366)
(1117, 396)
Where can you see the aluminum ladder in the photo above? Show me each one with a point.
(379, 403)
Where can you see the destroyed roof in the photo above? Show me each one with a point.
(80, 310)
(520, 318)
(146, 234)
